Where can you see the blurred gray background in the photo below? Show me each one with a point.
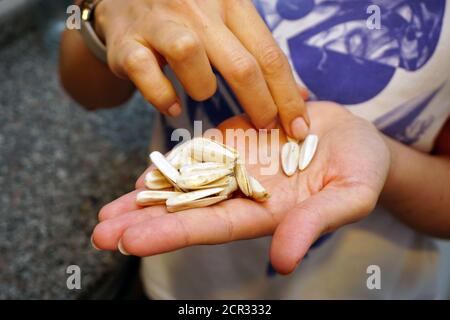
(58, 163)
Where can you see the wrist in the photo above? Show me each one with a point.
(391, 184)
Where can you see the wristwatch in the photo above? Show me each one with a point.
(91, 39)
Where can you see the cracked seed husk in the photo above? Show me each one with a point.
(231, 186)
(150, 197)
(206, 150)
(155, 180)
(259, 193)
(164, 166)
(242, 179)
(200, 203)
(202, 172)
(185, 198)
(194, 180)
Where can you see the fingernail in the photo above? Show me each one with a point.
(121, 249)
(299, 128)
(93, 244)
(174, 110)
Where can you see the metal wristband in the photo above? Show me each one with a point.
(93, 42)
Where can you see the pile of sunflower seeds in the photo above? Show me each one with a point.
(203, 172)
(197, 173)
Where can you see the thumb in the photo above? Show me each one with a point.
(323, 212)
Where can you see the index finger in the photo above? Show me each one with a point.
(242, 72)
(245, 22)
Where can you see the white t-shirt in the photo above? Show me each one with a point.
(397, 77)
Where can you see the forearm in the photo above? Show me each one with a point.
(417, 189)
(88, 80)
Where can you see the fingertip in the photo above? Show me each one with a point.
(174, 110)
(283, 261)
(99, 238)
(93, 243)
(104, 213)
(299, 128)
(131, 242)
(122, 249)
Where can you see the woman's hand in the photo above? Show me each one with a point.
(193, 36)
(341, 186)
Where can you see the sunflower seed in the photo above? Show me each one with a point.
(155, 180)
(205, 202)
(242, 179)
(206, 150)
(290, 154)
(165, 168)
(188, 197)
(308, 149)
(204, 166)
(150, 198)
(222, 182)
(194, 179)
(259, 193)
(231, 186)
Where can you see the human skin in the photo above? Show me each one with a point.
(341, 186)
(415, 188)
(191, 36)
(353, 166)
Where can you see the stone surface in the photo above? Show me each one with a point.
(58, 165)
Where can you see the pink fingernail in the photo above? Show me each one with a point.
(175, 109)
(299, 128)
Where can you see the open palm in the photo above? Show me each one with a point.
(341, 186)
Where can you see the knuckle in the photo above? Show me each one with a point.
(184, 47)
(272, 59)
(114, 66)
(206, 92)
(244, 69)
(159, 95)
(101, 9)
(104, 213)
(290, 103)
(133, 60)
